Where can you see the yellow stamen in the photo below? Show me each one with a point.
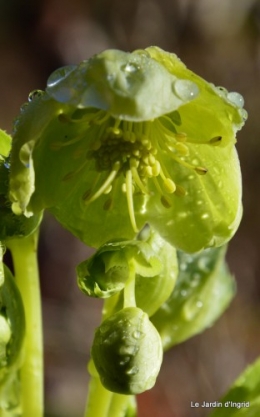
(129, 197)
(106, 184)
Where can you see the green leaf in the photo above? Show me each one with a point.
(203, 291)
(243, 398)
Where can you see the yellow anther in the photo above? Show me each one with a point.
(134, 163)
(183, 149)
(165, 202)
(201, 170)
(149, 171)
(169, 185)
(145, 159)
(156, 168)
(215, 141)
(181, 136)
(180, 191)
(151, 159)
(137, 153)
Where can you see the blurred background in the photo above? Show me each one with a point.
(219, 40)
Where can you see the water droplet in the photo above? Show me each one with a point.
(199, 202)
(244, 114)
(183, 266)
(131, 67)
(183, 293)
(236, 99)
(185, 89)
(104, 328)
(34, 94)
(7, 165)
(128, 350)
(59, 75)
(203, 265)
(222, 91)
(205, 216)
(192, 308)
(142, 53)
(137, 334)
(125, 360)
(24, 107)
(132, 371)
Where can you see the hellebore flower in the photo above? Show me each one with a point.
(125, 139)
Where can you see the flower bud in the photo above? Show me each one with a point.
(127, 352)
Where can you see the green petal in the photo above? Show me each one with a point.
(210, 211)
(130, 86)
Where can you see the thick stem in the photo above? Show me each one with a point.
(24, 254)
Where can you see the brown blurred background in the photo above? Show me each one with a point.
(218, 39)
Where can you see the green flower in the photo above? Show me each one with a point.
(129, 138)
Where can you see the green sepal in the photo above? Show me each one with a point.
(243, 398)
(203, 291)
(130, 86)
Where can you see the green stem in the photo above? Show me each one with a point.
(104, 403)
(24, 254)
(129, 290)
(101, 402)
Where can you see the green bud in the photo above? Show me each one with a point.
(126, 139)
(106, 272)
(127, 352)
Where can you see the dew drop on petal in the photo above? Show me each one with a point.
(185, 89)
(131, 67)
(236, 98)
(192, 308)
(33, 95)
(59, 75)
(243, 114)
(132, 371)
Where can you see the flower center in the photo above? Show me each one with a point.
(134, 152)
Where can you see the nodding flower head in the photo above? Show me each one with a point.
(129, 138)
